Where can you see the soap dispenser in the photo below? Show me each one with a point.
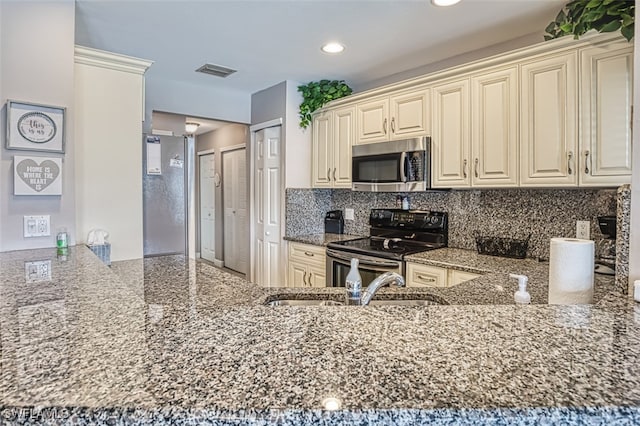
(522, 297)
(353, 284)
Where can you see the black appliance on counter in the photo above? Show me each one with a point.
(334, 222)
(394, 234)
(606, 247)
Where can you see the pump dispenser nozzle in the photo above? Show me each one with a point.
(521, 296)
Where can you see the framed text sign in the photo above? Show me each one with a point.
(37, 176)
(34, 127)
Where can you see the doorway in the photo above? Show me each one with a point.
(234, 192)
(207, 206)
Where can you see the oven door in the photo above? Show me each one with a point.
(339, 264)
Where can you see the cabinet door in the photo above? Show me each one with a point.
(297, 275)
(322, 155)
(450, 142)
(419, 275)
(409, 115)
(606, 98)
(317, 277)
(456, 277)
(494, 131)
(373, 122)
(548, 122)
(344, 133)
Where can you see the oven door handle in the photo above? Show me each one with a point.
(368, 262)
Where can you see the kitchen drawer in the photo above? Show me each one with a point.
(308, 254)
(425, 276)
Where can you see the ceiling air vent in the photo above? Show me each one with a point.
(217, 70)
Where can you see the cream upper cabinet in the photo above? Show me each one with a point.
(494, 128)
(606, 79)
(548, 121)
(399, 116)
(450, 138)
(344, 131)
(322, 141)
(333, 134)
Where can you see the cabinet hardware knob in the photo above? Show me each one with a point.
(384, 126)
(464, 168)
(309, 280)
(569, 158)
(329, 173)
(393, 125)
(304, 278)
(586, 162)
(308, 253)
(476, 167)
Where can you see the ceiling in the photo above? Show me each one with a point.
(270, 41)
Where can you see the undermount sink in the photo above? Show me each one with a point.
(404, 300)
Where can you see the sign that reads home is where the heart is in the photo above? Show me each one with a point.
(37, 176)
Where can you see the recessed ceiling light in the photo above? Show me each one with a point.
(444, 2)
(332, 47)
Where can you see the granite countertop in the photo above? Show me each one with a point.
(322, 239)
(164, 340)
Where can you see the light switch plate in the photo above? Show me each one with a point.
(582, 229)
(37, 226)
(39, 270)
(348, 214)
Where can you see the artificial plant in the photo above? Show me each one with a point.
(317, 93)
(579, 16)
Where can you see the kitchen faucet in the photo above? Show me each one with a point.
(385, 279)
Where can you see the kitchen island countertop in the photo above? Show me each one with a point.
(164, 340)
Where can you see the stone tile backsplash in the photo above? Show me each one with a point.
(516, 213)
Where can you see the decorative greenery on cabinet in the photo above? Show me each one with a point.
(317, 93)
(580, 16)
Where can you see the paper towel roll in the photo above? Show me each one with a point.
(571, 271)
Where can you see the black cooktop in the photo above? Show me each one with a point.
(397, 233)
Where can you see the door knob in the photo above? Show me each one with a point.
(267, 233)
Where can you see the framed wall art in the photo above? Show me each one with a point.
(32, 127)
(37, 176)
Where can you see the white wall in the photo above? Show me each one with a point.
(109, 156)
(36, 65)
(298, 142)
(189, 99)
(634, 243)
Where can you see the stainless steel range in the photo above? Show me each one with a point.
(394, 234)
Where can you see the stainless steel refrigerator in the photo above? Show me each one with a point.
(165, 195)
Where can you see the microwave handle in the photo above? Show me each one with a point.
(403, 167)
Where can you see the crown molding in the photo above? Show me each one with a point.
(109, 60)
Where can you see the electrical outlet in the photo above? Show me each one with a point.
(582, 229)
(37, 271)
(37, 226)
(348, 214)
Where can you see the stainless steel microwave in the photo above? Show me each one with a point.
(396, 166)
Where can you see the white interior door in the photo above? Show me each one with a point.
(234, 190)
(207, 207)
(267, 193)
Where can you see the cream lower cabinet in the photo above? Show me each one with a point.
(333, 136)
(606, 83)
(400, 116)
(306, 266)
(475, 123)
(419, 275)
(548, 121)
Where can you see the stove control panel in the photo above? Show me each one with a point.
(408, 219)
